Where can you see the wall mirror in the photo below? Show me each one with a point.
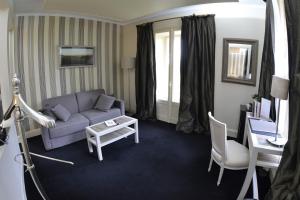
(239, 61)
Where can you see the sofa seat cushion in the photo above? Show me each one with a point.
(96, 116)
(76, 122)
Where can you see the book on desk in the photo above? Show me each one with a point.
(262, 126)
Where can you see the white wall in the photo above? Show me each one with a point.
(233, 20)
(37, 62)
(229, 96)
(128, 49)
(4, 67)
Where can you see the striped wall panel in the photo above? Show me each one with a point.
(37, 42)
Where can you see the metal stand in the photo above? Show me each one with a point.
(20, 108)
(277, 141)
(19, 117)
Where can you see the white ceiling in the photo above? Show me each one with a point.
(5, 4)
(120, 11)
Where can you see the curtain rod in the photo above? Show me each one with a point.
(160, 20)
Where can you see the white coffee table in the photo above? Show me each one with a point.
(101, 135)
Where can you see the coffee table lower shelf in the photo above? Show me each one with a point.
(112, 137)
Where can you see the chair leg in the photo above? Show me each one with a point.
(210, 164)
(220, 175)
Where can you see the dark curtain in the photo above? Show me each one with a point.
(145, 75)
(267, 62)
(197, 68)
(286, 184)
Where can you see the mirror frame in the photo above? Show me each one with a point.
(253, 61)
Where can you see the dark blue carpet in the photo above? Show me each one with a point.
(165, 165)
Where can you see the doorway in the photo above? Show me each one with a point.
(167, 50)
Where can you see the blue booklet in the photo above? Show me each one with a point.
(262, 127)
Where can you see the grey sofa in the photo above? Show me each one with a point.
(80, 105)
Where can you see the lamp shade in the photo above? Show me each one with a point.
(280, 87)
(128, 62)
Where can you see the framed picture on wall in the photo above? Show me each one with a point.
(76, 56)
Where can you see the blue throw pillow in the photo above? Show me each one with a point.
(49, 113)
(61, 112)
(105, 102)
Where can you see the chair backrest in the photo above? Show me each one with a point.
(218, 132)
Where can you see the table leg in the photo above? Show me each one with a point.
(246, 132)
(136, 127)
(88, 136)
(251, 169)
(254, 186)
(99, 151)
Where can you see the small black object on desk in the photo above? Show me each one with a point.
(241, 129)
(3, 137)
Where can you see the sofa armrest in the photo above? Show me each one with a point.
(120, 104)
(46, 138)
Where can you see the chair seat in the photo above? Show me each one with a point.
(237, 156)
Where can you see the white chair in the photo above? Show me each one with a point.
(227, 154)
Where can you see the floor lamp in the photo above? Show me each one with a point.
(128, 63)
(280, 90)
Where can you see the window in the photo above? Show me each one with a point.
(176, 67)
(162, 65)
(168, 73)
(167, 52)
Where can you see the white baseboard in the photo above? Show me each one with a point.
(33, 133)
(232, 133)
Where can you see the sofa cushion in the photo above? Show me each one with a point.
(61, 112)
(48, 112)
(87, 100)
(77, 122)
(96, 116)
(105, 102)
(68, 101)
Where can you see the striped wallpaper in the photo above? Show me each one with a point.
(37, 42)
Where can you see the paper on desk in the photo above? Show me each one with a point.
(260, 125)
(265, 108)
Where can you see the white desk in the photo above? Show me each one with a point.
(12, 184)
(261, 154)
